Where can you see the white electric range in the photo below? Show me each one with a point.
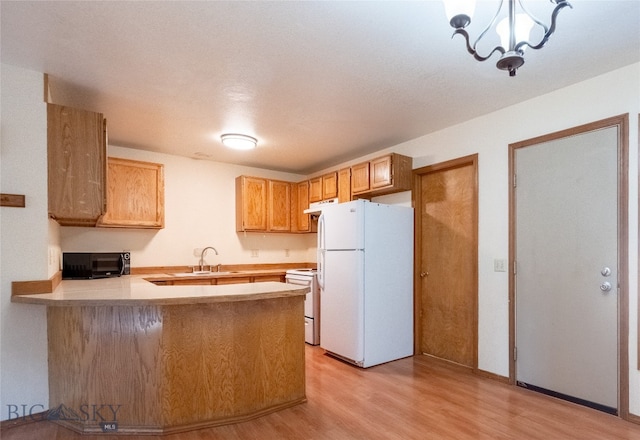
(308, 277)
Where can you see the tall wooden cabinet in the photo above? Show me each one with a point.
(135, 194)
(77, 160)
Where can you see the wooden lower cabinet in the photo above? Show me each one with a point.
(267, 278)
(205, 280)
(234, 280)
(158, 369)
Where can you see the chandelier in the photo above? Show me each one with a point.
(513, 30)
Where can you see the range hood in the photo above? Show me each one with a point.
(315, 208)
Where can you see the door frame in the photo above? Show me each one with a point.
(622, 123)
(471, 160)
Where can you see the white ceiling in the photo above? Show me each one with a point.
(317, 83)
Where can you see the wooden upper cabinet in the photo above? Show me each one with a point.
(360, 178)
(344, 185)
(380, 172)
(300, 222)
(315, 189)
(330, 186)
(251, 203)
(135, 194)
(279, 211)
(384, 175)
(76, 156)
(263, 205)
(323, 187)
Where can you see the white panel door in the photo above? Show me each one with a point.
(566, 253)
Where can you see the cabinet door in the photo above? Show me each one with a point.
(76, 156)
(279, 206)
(315, 189)
(267, 278)
(251, 204)
(330, 186)
(233, 280)
(302, 220)
(135, 194)
(381, 174)
(344, 185)
(360, 178)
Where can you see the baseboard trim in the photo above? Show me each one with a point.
(24, 420)
(633, 418)
(492, 376)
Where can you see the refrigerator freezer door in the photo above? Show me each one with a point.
(343, 226)
(341, 305)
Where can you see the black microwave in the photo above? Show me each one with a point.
(89, 265)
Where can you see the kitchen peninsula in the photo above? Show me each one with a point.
(126, 355)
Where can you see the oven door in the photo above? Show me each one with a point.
(306, 281)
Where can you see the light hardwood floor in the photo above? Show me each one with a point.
(413, 398)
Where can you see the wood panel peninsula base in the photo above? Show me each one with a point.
(146, 368)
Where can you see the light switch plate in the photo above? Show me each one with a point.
(499, 265)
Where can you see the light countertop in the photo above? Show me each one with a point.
(135, 290)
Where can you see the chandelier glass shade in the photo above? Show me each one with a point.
(514, 30)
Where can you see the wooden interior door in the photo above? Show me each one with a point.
(446, 204)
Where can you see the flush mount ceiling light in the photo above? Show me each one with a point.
(239, 141)
(513, 30)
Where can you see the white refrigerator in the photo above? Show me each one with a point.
(365, 273)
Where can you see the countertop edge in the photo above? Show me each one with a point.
(166, 295)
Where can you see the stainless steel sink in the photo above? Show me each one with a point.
(199, 274)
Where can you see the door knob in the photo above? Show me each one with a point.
(605, 271)
(606, 286)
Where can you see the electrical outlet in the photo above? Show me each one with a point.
(254, 253)
(197, 252)
(286, 252)
(499, 265)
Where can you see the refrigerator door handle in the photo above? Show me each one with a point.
(321, 248)
(321, 268)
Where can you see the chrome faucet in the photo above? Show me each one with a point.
(202, 258)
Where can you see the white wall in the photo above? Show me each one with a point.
(26, 236)
(609, 95)
(199, 212)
